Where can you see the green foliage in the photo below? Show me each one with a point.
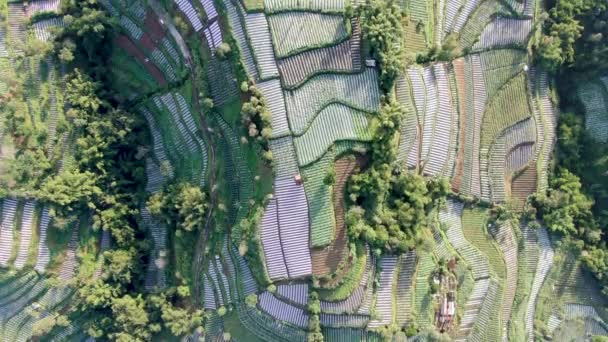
(251, 300)
(98, 294)
(121, 264)
(81, 94)
(389, 205)
(314, 304)
(44, 326)
(130, 315)
(567, 210)
(595, 259)
(575, 34)
(223, 51)
(392, 207)
(314, 324)
(180, 205)
(571, 145)
(255, 116)
(71, 189)
(382, 28)
(179, 321)
(89, 29)
(30, 169)
(384, 130)
(330, 177)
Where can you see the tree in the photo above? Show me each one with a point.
(251, 300)
(89, 28)
(223, 51)
(382, 28)
(566, 209)
(392, 217)
(121, 264)
(549, 53)
(81, 93)
(98, 294)
(330, 177)
(574, 35)
(131, 319)
(45, 325)
(30, 169)
(71, 189)
(180, 321)
(384, 129)
(181, 205)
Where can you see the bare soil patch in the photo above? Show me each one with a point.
(524, 185)
(153, 27)
(326, 260)
(147, 42)
(126, 44)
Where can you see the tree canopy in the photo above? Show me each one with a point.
(389, 205)
(382, 28)
(575, 34)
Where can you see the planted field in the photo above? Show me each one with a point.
(261, 43)
(505, 32)
(327, 259)
(271, 234)
(271, 6)
(511, 152)
(594, 97)
(319, 195)
(341, 58)
(295, 32)
(358, 91)
(334, 123)
(474, 229)
(422, 295)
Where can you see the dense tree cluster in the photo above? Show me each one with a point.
(391, 220)
(566, 210)
(255, 116)
(181, 205)
(390, 205)
(382, 28)
(576, 204)
(576, 33)
(107, 180)
(574, 45)
(87, 36)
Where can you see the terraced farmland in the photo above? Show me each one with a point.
(264, 110)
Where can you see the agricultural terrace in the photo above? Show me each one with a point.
(193, 170)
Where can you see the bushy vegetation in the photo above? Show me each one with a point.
(382, 28)
(255, 116)
(573, 46)
(314, 324)
(576, 33)
(106, 180)
(390, 205)
(182, 206)
(567, 210)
